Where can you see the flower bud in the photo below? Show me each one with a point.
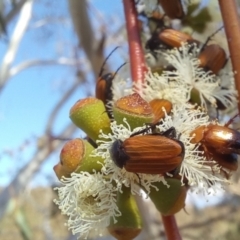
(134, 108)
(129, 224)
(158, 106)
(75, 157)
(90, 115)
(169, 200)
(195, 97)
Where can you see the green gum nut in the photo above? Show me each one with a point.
(135, 109)
(129, 224)
(169, 200)
(90, 115)
(76, 156)
(195, 97)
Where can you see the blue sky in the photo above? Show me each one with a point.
(29, 97)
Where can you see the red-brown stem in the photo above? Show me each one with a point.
(232, 28)
(138, 70)
(171, 228)
(137, 61)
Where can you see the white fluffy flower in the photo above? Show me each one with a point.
(188, 73)
(118, 175)
(186, 79)
(89, 201)
(160, 87)
(198, 170)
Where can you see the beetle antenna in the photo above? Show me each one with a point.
(211, 36)
(102, 68)
(118, 70)
(230, 121)
(139, 179)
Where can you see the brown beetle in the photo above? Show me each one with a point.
(150, 153)
(219, 143)
(222, 139)
(103, 89)
(172, 8)
(213, 58)
(168, 39)
(158, 106)
(104, 82)
(227, 161)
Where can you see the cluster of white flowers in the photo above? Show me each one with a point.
(195, 167)
(119, 175)
(90, 199)
(177, 85)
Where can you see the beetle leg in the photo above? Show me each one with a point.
(171, 133)
(210, 37)
(139, 179)
(230, 121)
(149, 126)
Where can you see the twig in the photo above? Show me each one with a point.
(21, 26)
(171, 228)
(137, 62)
(14, 11)
(86, 35)
(138, 70)
(45, 62)
(232, 28)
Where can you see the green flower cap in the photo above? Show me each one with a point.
(129, 224)
(135, 109)
(169, 200)
(75, 157)
(90, 115)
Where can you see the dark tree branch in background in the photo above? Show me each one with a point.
(19, 30)
(14, 11)
(82, 25)
(48, 62)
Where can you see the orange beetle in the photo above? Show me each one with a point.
(150, 153)
(219, 143)
(222, 139)
(213, 58)
(227, 161)
(104, 82)
(103, 89)
(104, 85)
(169, 38)
(159, 108)
(172, 8)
